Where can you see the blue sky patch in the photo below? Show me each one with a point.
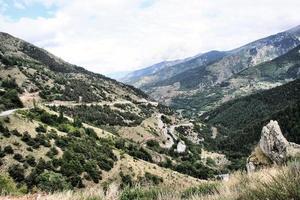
(16, 11)
(147, 3)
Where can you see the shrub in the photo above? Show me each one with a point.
(91, 168)
(11, 99)
(126, 180)
(140, 194)
(8, 150)
(139, 152)
(16, 172)
(18, 157)
(153, 178)
(51, 182)
(16, 133)
(52, 152)
(210, 162)
(152, 143)
(203, 189)
(7, 185)
(41, 129)
(7, 120)
(2, 153)
(165, 119)
(30, 160)
(76, 181)
(4, 130)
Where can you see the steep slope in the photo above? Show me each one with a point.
(149, 76)
(239, 59)
(260, 77)
(135, 78)
(71, 128)
(35, 69)
(239, 121)
(192, 81)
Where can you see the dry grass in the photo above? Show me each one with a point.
(281, 183)
(95, 193)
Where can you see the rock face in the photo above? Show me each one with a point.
(181, 147)
(272, 143)
(273, 148)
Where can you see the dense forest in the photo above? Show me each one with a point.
(240, 121)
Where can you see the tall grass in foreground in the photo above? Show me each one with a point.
(285, 185)
(277, 183)
(281, 183)
(87, 194)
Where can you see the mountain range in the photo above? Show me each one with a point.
(209, 73)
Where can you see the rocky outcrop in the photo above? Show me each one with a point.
(272, 143)
(181, 147)
(273, 148)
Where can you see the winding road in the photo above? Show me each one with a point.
(169, 134)
(7, 112)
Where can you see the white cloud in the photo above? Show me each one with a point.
(118, 35)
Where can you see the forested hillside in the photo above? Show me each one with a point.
(239, 121)
(71, 128)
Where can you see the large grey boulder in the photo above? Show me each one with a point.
(272, 142)
(273, 148)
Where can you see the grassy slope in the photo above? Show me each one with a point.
(125, 163)
(276, 183)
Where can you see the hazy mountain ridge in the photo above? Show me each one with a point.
(211, 79)
(134, 76)
(166, 70)
(260, 77)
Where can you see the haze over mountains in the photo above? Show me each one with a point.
(183, 84)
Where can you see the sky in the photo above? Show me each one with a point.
(109, 36)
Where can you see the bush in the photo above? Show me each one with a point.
(165, 119)
(139, 152)
(41, 129)
(91, 168)
(203, 189)
(30, 160)
(126, 180)
(51, 182)
(152, 143)
(16, 133)
(11, 100)
(7, 185)
(8, 150)
(140, 194)
(18, 157)
(16, 172)
(52, 152)
(153, 178)
(76, 181)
